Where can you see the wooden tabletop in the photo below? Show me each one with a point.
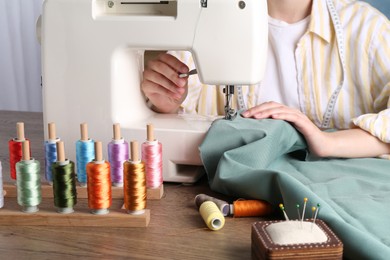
(176, 229)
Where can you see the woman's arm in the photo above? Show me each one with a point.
(351, 143)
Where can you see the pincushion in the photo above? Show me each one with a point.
(294, 240)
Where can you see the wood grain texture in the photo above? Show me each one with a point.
(176, 229)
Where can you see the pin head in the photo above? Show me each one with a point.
(305, 199)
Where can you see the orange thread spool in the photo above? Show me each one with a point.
(134, 187)
(99, 187)
(251, 208)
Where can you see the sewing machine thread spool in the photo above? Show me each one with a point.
(250, 208)
(1, 187)
(50, 152)
(64, 182)
(84, 154)
(211, 215)
(134, 183)
(99, 183)
(223, 206)
(118, 153)
(152, 157)
(15, 148)
(28, 181)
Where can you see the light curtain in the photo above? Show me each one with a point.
(20, 63)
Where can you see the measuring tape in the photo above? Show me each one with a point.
(340, 42)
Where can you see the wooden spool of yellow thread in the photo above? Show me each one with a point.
(211, 215)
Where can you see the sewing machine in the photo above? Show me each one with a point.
(93, 58)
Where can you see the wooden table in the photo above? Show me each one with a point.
(175, 231)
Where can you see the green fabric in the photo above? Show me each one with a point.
(267, 159)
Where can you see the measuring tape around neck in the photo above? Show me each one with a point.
(341, 47)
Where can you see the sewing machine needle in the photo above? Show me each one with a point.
(191, 72)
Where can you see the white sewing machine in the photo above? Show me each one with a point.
(92, 62)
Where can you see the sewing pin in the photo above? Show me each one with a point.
(304, 208)
(315, 215)
(299, 214)
(284, 212)
(191, 72)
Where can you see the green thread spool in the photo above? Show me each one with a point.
(28, 182)
(211, 215)
(64, 186)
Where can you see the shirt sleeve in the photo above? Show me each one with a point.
(378, 124)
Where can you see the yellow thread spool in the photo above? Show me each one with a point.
(211, 215)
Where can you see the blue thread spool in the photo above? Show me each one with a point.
(85, 153)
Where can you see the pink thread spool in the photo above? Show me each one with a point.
(152, 157)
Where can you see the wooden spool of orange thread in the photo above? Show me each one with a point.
(98, 183)
(250, 208)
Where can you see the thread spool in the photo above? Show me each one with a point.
(152, 157)
(250, 208)
(85, 153)
(223, 206)
(118, 153)
(1, 187)
(211, 215)
(64, 182)
(15, 148)
(99, 183)
(28, 181)
(50, 151)
(134, 182)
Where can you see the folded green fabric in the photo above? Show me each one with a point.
(267, 159)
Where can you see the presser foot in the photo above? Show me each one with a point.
(230, 113)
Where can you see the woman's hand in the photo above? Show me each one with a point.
(161, 83)
(315, 138)
(350, 143)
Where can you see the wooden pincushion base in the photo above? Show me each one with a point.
(264, 248)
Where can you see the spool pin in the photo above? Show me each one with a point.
(52, 132)
(84, 132)
(20, 137)
(150, 133)
(98, 152)
(134, 152)
(117, 132)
